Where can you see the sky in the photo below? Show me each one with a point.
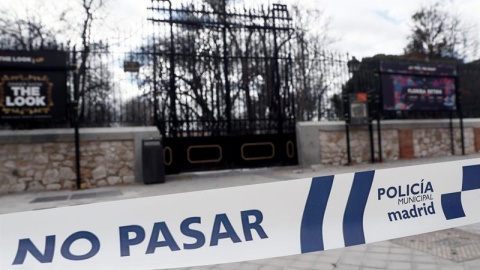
(359, 27)
(370, 27)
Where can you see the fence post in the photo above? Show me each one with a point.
(276, 74)
(228, 104)
(75, 118)
(346, 109)
(452, 145)
(379, 128)
(155, 85)
(460, 114)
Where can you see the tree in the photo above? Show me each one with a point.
(28, 31)
(88, 84)
(438, 33)
(201, 84)
(311, 37)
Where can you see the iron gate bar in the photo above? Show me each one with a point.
(233, 79)
(221, 57)
(220, 25)
(225, 20)
(203, 12)
(228, 105)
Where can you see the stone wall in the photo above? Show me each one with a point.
(45, 160)
(333, 146)
(400, 140)
(437, 142)
(107, 163)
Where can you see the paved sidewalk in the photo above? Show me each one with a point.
(461, 245)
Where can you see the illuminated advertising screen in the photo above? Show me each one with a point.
(413, 87)
(33, 86)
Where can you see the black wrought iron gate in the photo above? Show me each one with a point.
(223, 96)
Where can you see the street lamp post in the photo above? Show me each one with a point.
(353, 65)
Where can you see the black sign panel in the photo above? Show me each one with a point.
(418, 87)
(33, 85)
(131, 66)
(21, 60)
(409, 68)
(33, 95)
(358, 109)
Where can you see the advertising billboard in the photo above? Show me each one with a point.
(33, 86)
(415, 87)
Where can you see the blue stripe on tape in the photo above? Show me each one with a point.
(452, 205)
(357, 200)
(471, 177)
(311, 237)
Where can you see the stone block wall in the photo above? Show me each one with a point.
(45, 160)
(437, 142)
(107, 163)
(400, 140)
(333, 146)
(36, 166)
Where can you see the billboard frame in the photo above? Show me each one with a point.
(420, 70)
(448, 71)
(45, 65)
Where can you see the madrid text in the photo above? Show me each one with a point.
(419, 195)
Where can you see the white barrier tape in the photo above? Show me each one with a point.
(245, 223)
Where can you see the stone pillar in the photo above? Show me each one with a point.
(405, 137)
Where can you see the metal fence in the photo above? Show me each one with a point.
(213, 69)
(228, 70)
(207, 68)
(112, 96)
(235, 71)
(319, 78)
(366, 79)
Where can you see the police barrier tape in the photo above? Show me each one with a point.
(245, 223)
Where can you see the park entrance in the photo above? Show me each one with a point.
(222, 86)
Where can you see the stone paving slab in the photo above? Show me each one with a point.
(453, 244)
(381, 255)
